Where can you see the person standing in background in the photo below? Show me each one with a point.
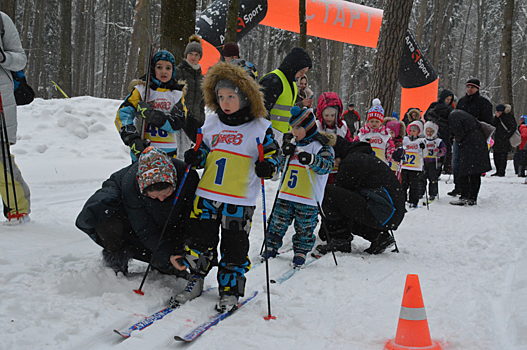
(12, 59)
(189, 70)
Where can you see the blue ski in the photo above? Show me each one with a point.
(139, 326)
(213, 321)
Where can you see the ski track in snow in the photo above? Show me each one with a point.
(56, 295)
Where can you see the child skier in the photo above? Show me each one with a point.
(329, 120)
(396, 129)
(156, 121)
(414, 148)
(228, 188)
(435, 149)
(376, 134)
(296, 199)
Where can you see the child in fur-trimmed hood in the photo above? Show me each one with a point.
(228, 189)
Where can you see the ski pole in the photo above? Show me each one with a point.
(286, 164)
(328, 236)
(199, 138)
(396, 250)
(438, 177)
(8, 162)
(261, 158)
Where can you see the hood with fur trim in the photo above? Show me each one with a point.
(248, 86)
(402, 126)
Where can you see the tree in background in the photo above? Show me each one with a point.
(231, 26)
(506, 53)
(386, 63)
(178, 23)
(302, 42)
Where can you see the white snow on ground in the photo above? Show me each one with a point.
(54, 293)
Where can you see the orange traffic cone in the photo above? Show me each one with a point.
(412, 330)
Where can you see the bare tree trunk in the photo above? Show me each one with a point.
(336, 66)
(232, 21)
(178, 23)
(386, 63)
(65, 67)
(506, 53)
(419, 30)
(477, 50)
(324, 67)
(133, 55)
(462, 48)
(302, 42)
(92, 76)
(9, 8)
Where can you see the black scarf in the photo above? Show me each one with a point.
(239, 117)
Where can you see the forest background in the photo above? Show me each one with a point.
(96, 47)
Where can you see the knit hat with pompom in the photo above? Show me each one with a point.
(376, 112)
(304, 118)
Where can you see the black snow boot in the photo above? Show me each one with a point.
(338, 245)
(383, 241)
(117, 261)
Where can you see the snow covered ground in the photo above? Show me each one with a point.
(54, 293)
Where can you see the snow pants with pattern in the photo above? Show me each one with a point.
(205, 220)
(306, 219)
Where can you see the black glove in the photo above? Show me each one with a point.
(2, 56)
(176, 118)
(288, 149)
(146, 111)
(398, 155)
(264, 169)
(192, 157)
(136, 144)
(422, 145)
(306, 158)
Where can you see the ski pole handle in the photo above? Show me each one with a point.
(199, 138)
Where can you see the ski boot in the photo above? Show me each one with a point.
(227, 303)
(337, 245)
(193, 290)
(383, 241)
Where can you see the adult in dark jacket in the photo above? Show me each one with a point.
(481, 109)
(190, 70)
(473, 155)
(347, 210)
(446, 97)
(505, 126)
(127, 215)
(280, 90)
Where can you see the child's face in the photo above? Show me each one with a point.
(374, 123)
(193, 57)
(228, 100)
(414, 132)
(414, 116)
(163, 71)
(429, 132)
(329, 115)
(299, 132)
(392, 134)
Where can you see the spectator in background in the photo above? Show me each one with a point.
(352, 119)
(520, 157)
(280, 90)
(305, 95)
(505, 126)
(480, 108)
(190, 70)
(12, 58)
(231, 53)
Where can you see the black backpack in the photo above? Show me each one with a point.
(24, 94)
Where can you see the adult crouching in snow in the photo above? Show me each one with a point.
(127, 215)
(366, 200)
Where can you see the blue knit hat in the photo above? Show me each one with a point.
(303, 118)
(162, 55)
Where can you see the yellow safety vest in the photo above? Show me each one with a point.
(280, 113)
